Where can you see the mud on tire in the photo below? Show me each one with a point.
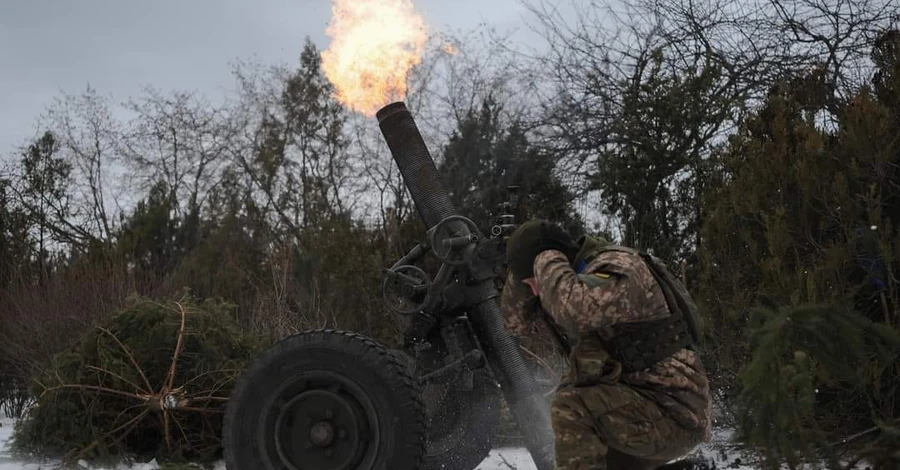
(325, 400)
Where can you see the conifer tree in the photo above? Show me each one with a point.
(802, 218)
(484, 155)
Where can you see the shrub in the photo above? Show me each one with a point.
(151, 380)
(804, 357)
(14, 396)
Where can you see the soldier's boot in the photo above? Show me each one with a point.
(619, 461)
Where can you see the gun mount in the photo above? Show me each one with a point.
(455, 240)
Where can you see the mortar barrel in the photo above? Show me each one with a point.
(416, 165)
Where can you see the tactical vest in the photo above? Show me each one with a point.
(640, 345)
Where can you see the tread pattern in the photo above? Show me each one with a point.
(372, 354)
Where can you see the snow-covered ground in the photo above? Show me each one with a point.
(500, 459)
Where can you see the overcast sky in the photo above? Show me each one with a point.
(118, 46)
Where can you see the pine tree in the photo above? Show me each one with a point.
(148, 236)
(44, 195)
(16, 246)
(802, 219)
(484, 155)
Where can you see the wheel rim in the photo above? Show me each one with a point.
(322, 421)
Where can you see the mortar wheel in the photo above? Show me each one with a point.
(325, 400)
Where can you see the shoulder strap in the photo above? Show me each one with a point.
(676, 294)
(679, 301)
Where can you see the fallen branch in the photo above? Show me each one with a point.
(181, 399)
(506, 462)
(130, 357)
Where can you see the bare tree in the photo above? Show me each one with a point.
(636, 96)
(178, 139)
(89, 140)
(753, 45)
(632, 118)
(379, 177)
(761, 42)
(291, 143)
(458, 73)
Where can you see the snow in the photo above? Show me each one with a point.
(499, 459)
(7, 462)
(519, 459)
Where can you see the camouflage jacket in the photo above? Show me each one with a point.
(614, 287)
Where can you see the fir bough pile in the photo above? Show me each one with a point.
(151, 381)
(802, 357)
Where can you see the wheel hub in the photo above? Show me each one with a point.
(322, 425)
(322, 434)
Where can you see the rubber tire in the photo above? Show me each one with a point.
(394, 393)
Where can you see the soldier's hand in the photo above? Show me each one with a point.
(529, 240)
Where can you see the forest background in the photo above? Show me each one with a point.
(754, 146)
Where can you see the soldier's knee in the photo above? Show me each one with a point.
(567, 408)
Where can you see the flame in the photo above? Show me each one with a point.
(449, 49)
(375, 44)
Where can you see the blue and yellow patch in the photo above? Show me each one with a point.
(595, 279)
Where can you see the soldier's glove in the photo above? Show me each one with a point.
(532, 238)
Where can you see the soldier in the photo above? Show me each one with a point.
(634, 396)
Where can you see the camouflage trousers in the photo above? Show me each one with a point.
(602, 424)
